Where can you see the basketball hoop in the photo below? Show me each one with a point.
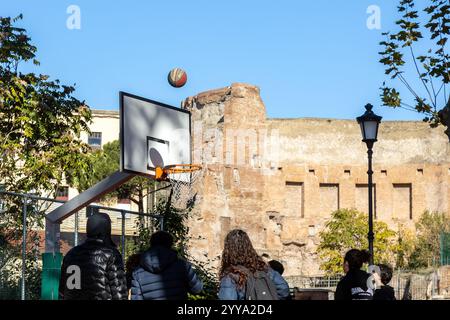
(182, 178)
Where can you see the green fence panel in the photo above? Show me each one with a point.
(445, 249)
(51, 271)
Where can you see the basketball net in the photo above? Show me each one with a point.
(182, 179)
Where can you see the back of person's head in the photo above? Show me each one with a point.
(133, 262)
(238, 252)
(356, 258)
(277, 266)
(162, 239)
(98, 226)
(386, 272)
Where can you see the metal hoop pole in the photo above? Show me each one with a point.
(161, 223)
(76, 229)
(24, 246)
(122, 238)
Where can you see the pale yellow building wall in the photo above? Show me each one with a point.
(108, 123)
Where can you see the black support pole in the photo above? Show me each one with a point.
(370, 235)
(24, 248)
(122, 237)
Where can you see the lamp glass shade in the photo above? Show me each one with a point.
(369, 130)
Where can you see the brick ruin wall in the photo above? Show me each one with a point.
(281, 180)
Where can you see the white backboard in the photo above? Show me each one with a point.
(152, 134)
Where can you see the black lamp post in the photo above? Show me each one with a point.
(369, 123)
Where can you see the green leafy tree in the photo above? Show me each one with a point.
(427, 247)
(428, 30)
(40, 120)
(406, 244)
(40, 146)
(348, 229)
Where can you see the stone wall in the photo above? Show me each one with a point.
(280, 179)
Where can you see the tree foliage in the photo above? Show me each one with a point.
(427, 244)
(406, 245)
(348, 229)
(429, 28)
(40, 146)
(40, 120)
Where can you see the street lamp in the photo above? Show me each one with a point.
(369, 123)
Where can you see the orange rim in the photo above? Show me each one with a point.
(162, 173)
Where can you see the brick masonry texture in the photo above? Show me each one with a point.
(321, 165)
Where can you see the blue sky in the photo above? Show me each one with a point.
(310, 58)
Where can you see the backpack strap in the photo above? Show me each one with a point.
(249, 287)
(271, 286)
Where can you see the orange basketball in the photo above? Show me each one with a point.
(177, 77)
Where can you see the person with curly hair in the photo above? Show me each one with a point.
(244, 275)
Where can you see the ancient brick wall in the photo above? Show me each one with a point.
(280, 179)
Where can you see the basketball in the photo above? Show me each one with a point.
(177, 77)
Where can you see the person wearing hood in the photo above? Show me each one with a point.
(162, 275)
(94, 270)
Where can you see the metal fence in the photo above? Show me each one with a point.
(24, 248)
(316, 282)
(407, 285)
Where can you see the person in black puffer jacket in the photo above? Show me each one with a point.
(354, 286)
(102, 275)
(162, 275)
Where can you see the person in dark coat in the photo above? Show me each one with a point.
(239, 262)
(162, 275)
(133, 262)
(277, 266)
(94, 270)
(384, 291)
(354, 286)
